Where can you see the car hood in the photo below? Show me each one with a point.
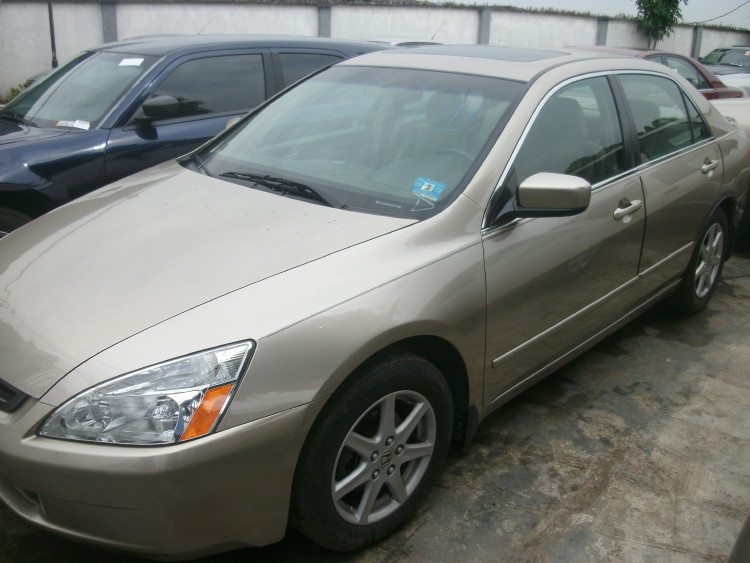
(133, 254)
(11, 132)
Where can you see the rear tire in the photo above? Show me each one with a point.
(10, 220)
(704, 270)
(373, 454)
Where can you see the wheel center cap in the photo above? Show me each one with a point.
(385, 458)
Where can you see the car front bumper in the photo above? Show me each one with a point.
(229, 489)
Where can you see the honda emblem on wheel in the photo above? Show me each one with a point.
(385, 459)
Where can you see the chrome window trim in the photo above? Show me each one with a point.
(674, 154)
(491, 229)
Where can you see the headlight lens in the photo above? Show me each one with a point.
(170, 402)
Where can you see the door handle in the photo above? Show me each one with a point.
(709, 165)
(632, 207)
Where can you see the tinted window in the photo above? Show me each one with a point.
(216, 84)
(699, 129)
(661, 120)
(576, 132)
(298, 65)
(81, 92)
(688, 71)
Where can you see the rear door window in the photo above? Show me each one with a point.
(295, 66)
(663, 122)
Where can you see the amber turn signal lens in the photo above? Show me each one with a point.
(209, 410)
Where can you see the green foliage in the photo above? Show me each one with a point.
(12, 93)
(657, 18)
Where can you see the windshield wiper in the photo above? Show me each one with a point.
(17, 117)
(285, 186)
(200, 165)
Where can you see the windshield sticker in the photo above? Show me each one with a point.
(77, 124)
(131, 62)
(428, 189)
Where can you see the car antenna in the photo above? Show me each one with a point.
(205, 26)
(438, 29)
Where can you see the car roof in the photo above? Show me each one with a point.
(514, 63)
(160, 45)
(626, 51)
(403, 41)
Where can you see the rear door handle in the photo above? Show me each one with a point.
(631, 207)
(709, 165)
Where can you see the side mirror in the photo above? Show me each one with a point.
(552, 195)
(161, 107)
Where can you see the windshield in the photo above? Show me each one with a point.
(79, 94)
(389, 141)
(731, 57)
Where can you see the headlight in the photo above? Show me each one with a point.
(170, 402)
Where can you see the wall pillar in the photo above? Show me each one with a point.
(697, 40)
(485, 19)
(602, 27)
(109, 22)
(324, 21)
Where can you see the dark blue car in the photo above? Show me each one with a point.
(125, 106)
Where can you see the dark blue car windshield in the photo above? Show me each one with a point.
(79, 94)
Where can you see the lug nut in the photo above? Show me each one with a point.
(391, 469)
(389, 441)
(374, 456)
(375, 474)
(399, 450)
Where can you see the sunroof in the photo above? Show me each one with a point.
(512, 54)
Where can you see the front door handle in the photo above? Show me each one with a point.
(709, 165)
(627, 208)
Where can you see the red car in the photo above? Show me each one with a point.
(694, 72)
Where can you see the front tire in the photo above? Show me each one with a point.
(704, 269)
(373, 454)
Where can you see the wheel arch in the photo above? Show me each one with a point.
(450, 363)
(730, 207)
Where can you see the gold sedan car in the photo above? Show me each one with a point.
(293, 323)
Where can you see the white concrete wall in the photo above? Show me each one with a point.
(25, 42)
(541, 30)
(153, 19)
(448, 25)
(25, 39)
(681, 41)
(624, 33)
